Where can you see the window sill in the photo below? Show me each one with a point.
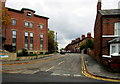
(110, 35)
(115, 54)
(106, 56)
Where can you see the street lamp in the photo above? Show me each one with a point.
(56, 42)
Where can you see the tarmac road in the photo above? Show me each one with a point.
(59, 68)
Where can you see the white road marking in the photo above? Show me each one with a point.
(66, 74)
(60, 62)
(77, 75)
(58, 74)
(55, 74)
(50, 68)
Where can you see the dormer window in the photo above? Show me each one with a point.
(29, 14)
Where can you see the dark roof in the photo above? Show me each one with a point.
(10, 9)
(115, 40)
(27, 9)
(110, 12)
(21, 11)
(41, 16)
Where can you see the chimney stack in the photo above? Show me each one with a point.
(77, 39)
(83, 36)
(89, 35)
(99, 5)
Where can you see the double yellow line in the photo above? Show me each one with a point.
(33, 61)
(86, 73)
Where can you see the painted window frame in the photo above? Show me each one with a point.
(31, 24)
(26, 23)
(14, 40)
(14, 22)
(31, 40)
(41, 26)
(117, 48)
(117, 28)
(26, 40)
(41, 42)
(116, 31)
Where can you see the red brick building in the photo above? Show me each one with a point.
(75, 45)
(27, 30)
(107, 36)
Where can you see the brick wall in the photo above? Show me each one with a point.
(21, 17)
(97, 37)
(90, 52)
(108, 29)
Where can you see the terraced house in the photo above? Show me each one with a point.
(27, 30)
(79, 45)
(107, 36)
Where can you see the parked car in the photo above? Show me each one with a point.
(62, 51)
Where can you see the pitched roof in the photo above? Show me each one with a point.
(27, 9)
(115, 40)
(21, 11)
(110, 12)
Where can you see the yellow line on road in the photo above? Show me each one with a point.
(33, 61)
(86, 73)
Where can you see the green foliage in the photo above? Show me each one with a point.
(52, 44)
(89, 44)
(23, 53)
(5, 17)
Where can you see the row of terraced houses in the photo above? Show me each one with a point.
(106, 37)
(75, 45)
(27, 30)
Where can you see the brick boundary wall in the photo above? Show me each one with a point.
(90, 52)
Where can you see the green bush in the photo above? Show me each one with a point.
(33, 55)
(24, 52)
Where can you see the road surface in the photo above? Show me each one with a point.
(57, 68)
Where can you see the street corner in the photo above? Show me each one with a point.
(87, 73)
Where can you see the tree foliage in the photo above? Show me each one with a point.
(5, 17)
(52, 44)
(89, 44)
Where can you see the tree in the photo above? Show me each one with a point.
(6, 21)
(5, 17)
(88, 44)
(52, 44)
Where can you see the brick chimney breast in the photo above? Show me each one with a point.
(99, 0)
(99, 5)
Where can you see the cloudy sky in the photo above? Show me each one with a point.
(69, 18)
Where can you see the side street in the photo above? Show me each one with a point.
(30, 52)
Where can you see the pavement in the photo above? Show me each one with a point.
(26, 61)
(98, 70)
(92, 67)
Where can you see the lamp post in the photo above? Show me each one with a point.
(56, 43)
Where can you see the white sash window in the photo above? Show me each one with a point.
(117, 29)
